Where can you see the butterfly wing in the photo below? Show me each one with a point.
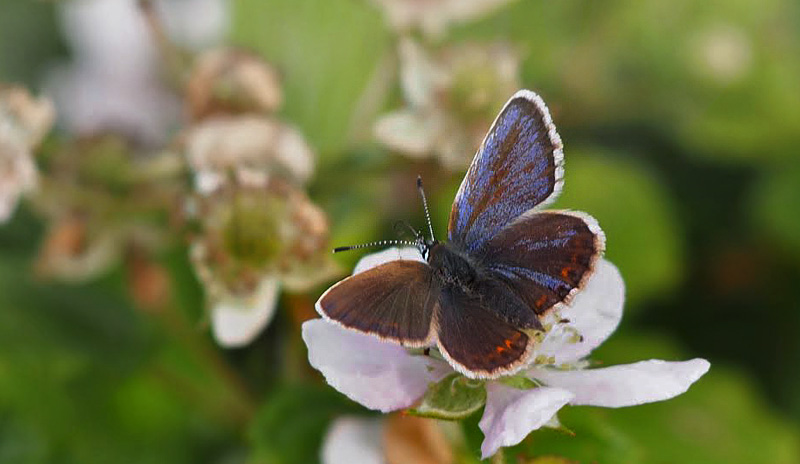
(519, 166)
(394, 301)
(476, 341)
(545, 256)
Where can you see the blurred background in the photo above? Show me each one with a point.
(174, 174)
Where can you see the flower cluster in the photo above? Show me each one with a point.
(258, 230)
(451, 96)
(114, 190)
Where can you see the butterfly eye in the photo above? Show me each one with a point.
(424, 249)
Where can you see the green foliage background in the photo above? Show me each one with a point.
(694, 179)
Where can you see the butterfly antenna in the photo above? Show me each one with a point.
(425, 204)
(373, 244)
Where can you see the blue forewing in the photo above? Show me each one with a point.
(518, 166)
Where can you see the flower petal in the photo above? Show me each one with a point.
(353, 439)
(407, 131)
(420, 76)
(379, 375)
(628, 384)
(511, 413)
(593, 315)
(389, 254)
(235, 322)
(294, 154)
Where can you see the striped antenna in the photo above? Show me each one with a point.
(372, 244)
(425, 204)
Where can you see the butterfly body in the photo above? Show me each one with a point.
(507, 263)
(452, 267)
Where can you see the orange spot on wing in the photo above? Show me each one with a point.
(541, 301)
(565, 271)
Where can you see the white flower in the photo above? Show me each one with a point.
(24, 121)
(250, 147)
(451, 98)
(255, 241)
(433, 16)
(237, 321)
(386, 377)
(114, 82)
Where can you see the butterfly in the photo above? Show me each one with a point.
(480, 296)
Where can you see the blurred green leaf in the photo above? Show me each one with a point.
(717, 76)
(85, 379)
(774, 207)
(290, 426)
(643, 237)
(29, 39)
(327, 52)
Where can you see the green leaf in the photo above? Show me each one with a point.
(519, 381)
(453, 398)
(774, 206)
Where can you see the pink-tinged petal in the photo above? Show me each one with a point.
(593, 316)
(353, 439)
(628, 384)
(237, 321)
(511, 414)
(379, 375)
(389, 254)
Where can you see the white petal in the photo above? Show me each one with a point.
(353, 439)
(17, 169)
(459, 10)
(294, 154)
(235, 322)
(389, 254)
(511, 414)
(196, 24)
(406, 131)
(376, 374)
(249, 144)
(109, 33)
(420, 77)
(207, 182)
(626, 385)
(593, 314)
